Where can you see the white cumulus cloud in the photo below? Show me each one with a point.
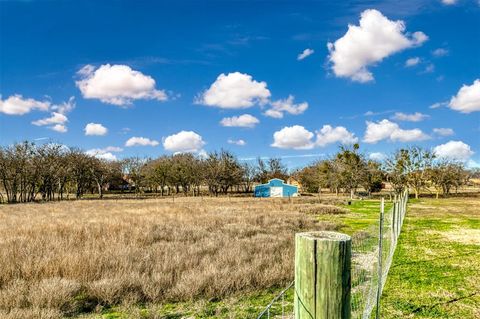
(235, 91)
(455, 150)
(244, 120)
(140, 141)
(184, 142)
(375, 38)
(387, 130)
(296, 137)
(415, 117)
(239, 142)
(18, 105)
(279, 107)
(306, 53)
(105, 153)
(329, 135)
(95, 129)
(117, 84)
(59, 128)
(467, 99)
(56, 118)
(107, 156)
(443, 131)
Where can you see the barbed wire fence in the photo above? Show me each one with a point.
(372, 254)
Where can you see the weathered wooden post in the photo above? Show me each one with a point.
(322, 275)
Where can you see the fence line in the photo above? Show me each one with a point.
(372, 254)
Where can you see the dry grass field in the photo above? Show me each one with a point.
(68, 258)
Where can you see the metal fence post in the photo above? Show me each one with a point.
(400, 213)
(380, 251)
(394, 218)
(322, 275)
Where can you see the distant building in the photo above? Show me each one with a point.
(276, 188)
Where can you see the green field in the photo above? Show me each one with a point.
(436, 267)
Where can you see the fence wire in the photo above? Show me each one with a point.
(372, 253)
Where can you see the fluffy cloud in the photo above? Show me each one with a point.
(387, 130)
(329, 135)
(59, 128)
(287, 105)
(140, 141)
(237, 142)
(375, 38)
(245, 120)
(455, 150)
(412, 62)
(443, 131)
(117, 84)
(415, 117)
(304, 54)
(56, 118)
(296, 137)
(467, 99)
(235, 91)
(95, 129)
(107, 156)
(18, 105)
(440, 52)
(105, 153)
(184, 142)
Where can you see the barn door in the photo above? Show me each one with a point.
(276, 191)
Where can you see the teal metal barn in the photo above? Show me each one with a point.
(275, 188)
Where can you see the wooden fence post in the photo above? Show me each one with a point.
(322, 275)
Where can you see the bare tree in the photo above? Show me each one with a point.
(417, 163)
(351, 167)
(445, 175)
(133, 168)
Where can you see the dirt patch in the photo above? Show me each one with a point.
(464, 236)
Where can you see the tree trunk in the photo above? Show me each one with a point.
(100, 190)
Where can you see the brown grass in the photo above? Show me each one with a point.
(69, 257)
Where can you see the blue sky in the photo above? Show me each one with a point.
(152, 71)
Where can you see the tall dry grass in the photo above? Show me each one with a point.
(66, 258)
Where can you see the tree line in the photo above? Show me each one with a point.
(30, 172)
(414, 167)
